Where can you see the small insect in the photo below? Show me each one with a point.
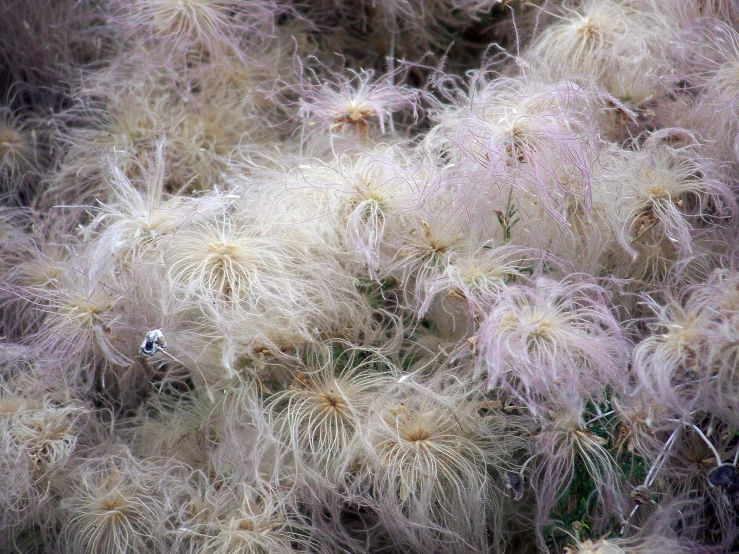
(153, 342)
(514, 481)
(723, 476)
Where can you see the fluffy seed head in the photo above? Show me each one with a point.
(372, 192)
(134, 222)
(428, 467)
(17, 150)
(82, 317)
(359, 103)
(477, 277)
(421, 248)
(564, 441)
(610, 42)
(321, 412)
(49, 434)
(536, 139)
(689, 361)
(111, 509)
(584, 37)
(669, 363)
(552, 341)
(228, 262)
(203, 29)
(240, 520)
